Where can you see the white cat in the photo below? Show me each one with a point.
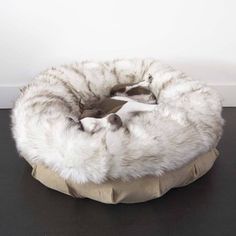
(138, 98)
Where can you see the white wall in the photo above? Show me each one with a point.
(198, 37)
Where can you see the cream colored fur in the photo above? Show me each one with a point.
(186, 123)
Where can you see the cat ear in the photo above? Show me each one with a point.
(119, 88)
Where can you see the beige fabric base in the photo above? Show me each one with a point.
(138, 190)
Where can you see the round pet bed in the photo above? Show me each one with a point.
(151, 152)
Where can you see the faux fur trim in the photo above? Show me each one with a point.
(187, 122)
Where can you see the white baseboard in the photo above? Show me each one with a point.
(8, 95)
(228, 93)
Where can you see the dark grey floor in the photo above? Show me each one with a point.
(206, 207)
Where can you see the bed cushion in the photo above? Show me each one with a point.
(150, 153)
